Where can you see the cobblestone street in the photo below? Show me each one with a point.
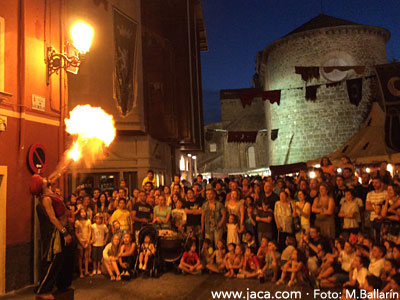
(168, 286)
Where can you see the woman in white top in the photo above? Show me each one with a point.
(234, 206)
(350, 213)
(303, 209)
(284, 212)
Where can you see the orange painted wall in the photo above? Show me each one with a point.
(27, 35)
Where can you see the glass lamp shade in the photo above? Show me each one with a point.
(82, 35)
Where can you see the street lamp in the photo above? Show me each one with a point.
(82, 35)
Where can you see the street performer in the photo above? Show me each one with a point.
(56, 241)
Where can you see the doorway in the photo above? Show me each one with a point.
(3, 201)
(251, 157)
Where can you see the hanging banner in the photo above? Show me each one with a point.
(242, 137)
(389, 82)
(246, 97)
(311, 92)
(125, 74)
(307, 73)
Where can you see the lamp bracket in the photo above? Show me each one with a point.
(57, 61)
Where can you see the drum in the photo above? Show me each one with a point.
(170, 245)
(167, 234)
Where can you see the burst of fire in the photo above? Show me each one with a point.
(74, 153)
(93, 131)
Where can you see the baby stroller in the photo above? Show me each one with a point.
(172, 245)
(152, 265)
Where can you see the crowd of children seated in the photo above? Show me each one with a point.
(334, 230)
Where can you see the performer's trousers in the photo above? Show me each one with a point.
(57, 272)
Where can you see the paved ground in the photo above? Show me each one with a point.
(168, 286)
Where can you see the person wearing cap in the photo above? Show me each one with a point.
(58, 254)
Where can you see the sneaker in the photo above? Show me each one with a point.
(93, 273)
(98, 272)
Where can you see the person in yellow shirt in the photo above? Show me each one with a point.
(150, 178)
(123, 216)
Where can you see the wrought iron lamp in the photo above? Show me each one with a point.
(82, 35)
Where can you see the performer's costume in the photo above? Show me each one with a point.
(57, 258)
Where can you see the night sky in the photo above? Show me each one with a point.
(238, 29)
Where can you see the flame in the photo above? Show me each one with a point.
(74, 152)
(93, 130)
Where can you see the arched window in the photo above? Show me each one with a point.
(251, 157)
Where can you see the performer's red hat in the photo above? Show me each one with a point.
(36, 185)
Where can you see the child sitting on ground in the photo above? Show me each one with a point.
(190, 262)
(389, 270)
(329, 262)
(249, 242)
(206, 253)
(229, 258)
(272, 262)
(294, 267)
(110, 258)
(262, 251)
(218, 255)
(237, 263)
(290, 247)
(250, 266)
(358, 272)
(147, 250)
(341, 266)
(126, 254)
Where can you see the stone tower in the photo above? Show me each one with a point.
(311, 129)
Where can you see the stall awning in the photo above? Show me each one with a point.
(287, 169)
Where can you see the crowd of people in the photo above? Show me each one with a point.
(337, 229)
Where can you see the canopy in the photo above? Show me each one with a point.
(287, 169)
(368, 145)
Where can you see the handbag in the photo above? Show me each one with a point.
(296, 225)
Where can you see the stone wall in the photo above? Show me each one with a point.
(233, 157)
(322, 126)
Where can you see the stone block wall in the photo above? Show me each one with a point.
(232, 109)
(320, 127)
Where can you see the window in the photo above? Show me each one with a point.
(251, 157)
(213, 147)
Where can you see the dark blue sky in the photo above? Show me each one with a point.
(238, 29)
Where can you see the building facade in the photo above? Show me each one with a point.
(164, 120)
(225, 156)
(311, 129)
(297, 129)
(32, 110)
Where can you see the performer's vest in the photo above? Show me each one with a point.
(58, 206)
